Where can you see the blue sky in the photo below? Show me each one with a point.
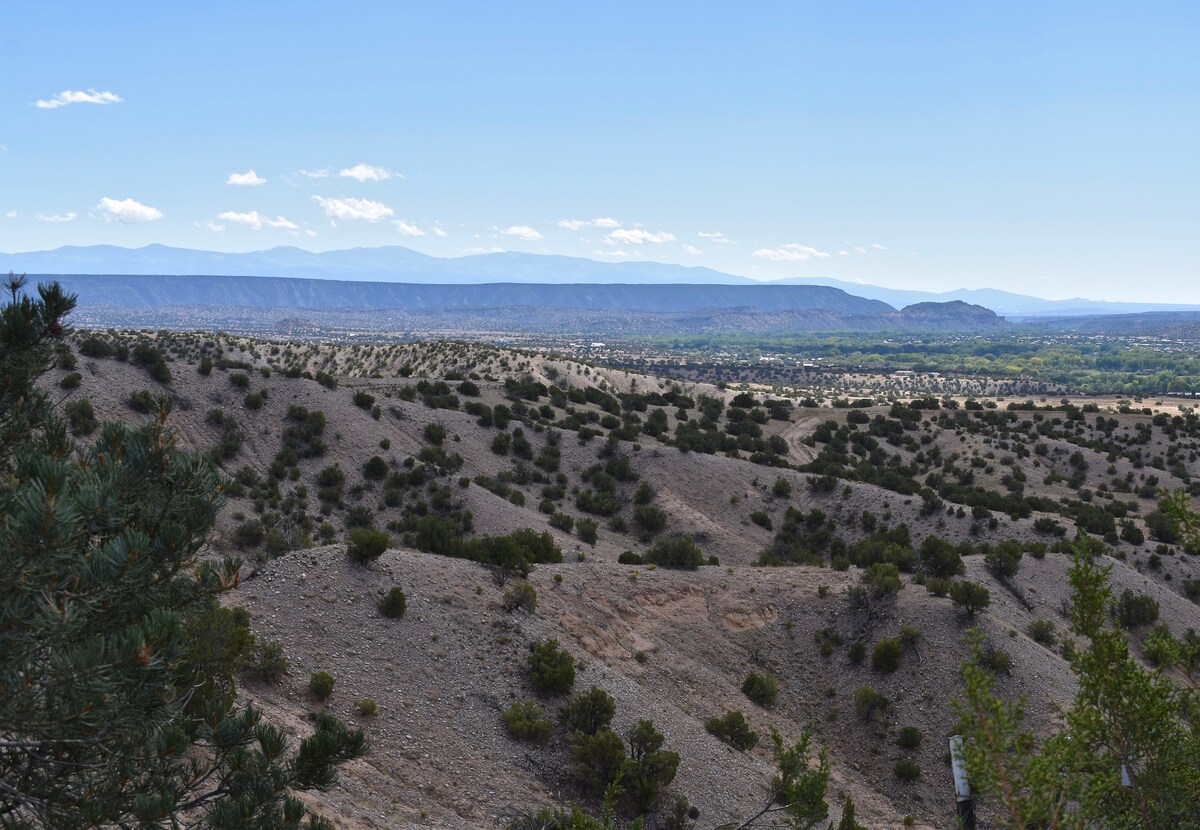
(1046, 147)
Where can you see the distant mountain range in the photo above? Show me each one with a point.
(395, 263)
(142, 291)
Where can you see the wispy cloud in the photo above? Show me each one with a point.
(70, 96)
(576, 224)
(212, 226)
(324, 173)
(368, 173)
(878, 247)
(439, 232)
(716, 236)
(127, 211)
(692, 249)
(257, 221)
(790, 253)
(637, 236)
(351, 208)
(247, 179)
(522, 232)
(50, 217)
(12, 214)
(408, 229)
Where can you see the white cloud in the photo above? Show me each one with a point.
(317, 174)
(52, 217)
(310, 232)
(249, 178)
(859, 249)
(439, 232)
(576, 224)
(213, 226)
(878, 247)
(66, 97)
(638, 237)
(716, 236)
(256, 220)
(12, 214)
(367, 173)
(790, 253)
(692, 249)
(407, 229)
(351, 208)
(492, 250)
(522, 232)
(127, 211)
(843, 253)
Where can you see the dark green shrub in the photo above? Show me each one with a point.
(81, 417)
(628, 557)
(1042, 631)
(321, 685)
(858, 650)
(521, 595)
(733, 729)
(676, 552)
(1004, 560)
(649, 768)
(886, 656)
(970, 596)
(562, 521)
(869, 703)
(1133, 610)
(71, 380)
(266, 662)
(588, 711)
(762, 689)
(435, 434)
(393, 604)
(782, 488)
(551, 669)
(363, 400)
(760, 518)
(598, 758)
(909, 737)
(142, 401)
(375, 469)
(907, 769)
(364, 546)
(587, 530)
(526, 721)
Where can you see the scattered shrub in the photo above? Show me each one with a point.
(393, 604)
(675, 552)
(733, 729)
(886, 656)
(1133, 610)
(366, 707)
(907, 769)
(551, 669)
(1042, 631)
(588, 711)
(761, 688)
(869, 703)
(909, 737)
(521, 595)
(321, 685)
(365, 546)
(526, 721)
(970, 597)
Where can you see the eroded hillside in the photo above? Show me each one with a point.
(704, 533)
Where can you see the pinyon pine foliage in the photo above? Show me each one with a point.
(104, 719)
